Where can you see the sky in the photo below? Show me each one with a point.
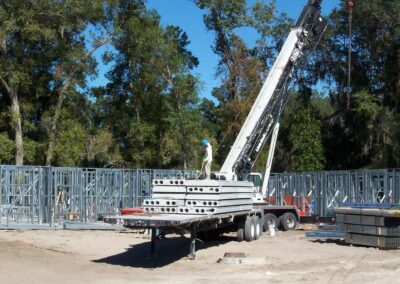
(185, 14)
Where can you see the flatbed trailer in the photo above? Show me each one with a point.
(248, 225)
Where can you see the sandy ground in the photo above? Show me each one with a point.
(118, 257)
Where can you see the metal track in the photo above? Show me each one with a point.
(373, 241)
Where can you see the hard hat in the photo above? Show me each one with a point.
(204, 142)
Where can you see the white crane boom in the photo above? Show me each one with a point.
(269, 104)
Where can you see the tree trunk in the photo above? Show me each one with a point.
(15, 123)
(53, 129)
(61, 95)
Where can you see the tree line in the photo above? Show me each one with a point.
(150, 113)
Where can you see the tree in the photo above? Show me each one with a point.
(151, 101)
(306, 143)
(42, 44)
(242, 69)
(350, 136)
(73, 60)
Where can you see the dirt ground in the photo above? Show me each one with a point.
(123, 257)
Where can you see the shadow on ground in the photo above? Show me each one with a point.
(330, 241)
(167, 251)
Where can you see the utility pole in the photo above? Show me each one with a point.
(350, 6)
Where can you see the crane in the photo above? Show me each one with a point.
(231, 202)
(263, 118)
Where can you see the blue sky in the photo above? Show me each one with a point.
(186, 15)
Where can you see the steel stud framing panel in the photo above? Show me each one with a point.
(47, 195)
(322, 191)
(50, 195)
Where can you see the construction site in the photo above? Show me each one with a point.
(102, 172)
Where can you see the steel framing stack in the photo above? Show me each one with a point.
(49, 195)
(377, 227)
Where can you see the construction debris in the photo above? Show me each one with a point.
(241, 258)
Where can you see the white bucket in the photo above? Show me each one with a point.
(271, 229)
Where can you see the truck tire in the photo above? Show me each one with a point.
(257, 227)
(249, 229)
(270, 219)
(288, 221)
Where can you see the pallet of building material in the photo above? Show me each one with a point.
(339, 227)
(212, 210)
(394, 213)
(383, 242)
(163, 202)
(373, 230)
(214, 203)
(369, 205)
(219, 196)
(368, 220)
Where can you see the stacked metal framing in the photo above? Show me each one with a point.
(198, 197)
(370, 226)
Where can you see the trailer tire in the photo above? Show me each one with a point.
(249, 229)
(270, 219)
(240, 234)
(288, 221)
(257, 227)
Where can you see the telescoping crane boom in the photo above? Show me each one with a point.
(263, 118)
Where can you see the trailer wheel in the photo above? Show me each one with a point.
(249, 229)
(270, 220)
(257, 227)
(288, 221)
(240, 234)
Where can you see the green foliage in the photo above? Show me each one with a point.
(141, 144)
(240, 68)
(69, 149)
(6, 149)
(101, 149)
(33, 152)
(150, 114)
(306, 143)
(152, 99)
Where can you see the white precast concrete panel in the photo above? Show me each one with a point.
(261, 103)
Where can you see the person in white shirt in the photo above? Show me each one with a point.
(206, 166)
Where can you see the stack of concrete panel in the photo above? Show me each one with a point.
(370, 227)
(199, 197)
